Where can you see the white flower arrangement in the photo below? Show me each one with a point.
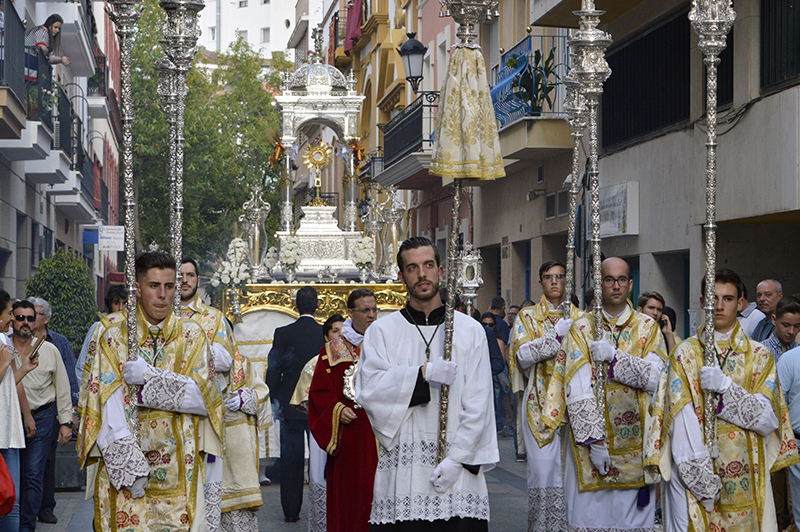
(270, 258)
(235, 270)
(289, 257)
(363, 252)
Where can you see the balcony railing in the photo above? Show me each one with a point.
(529, 79)
(104, 202)
(87, 177)
(98, 83)
(39, 96)
(63, 125)
(12, 53)
(411, 130)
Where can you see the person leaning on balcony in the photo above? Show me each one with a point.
(48, 39)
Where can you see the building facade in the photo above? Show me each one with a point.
(265, 24)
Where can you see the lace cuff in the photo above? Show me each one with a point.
(539, 350)
(163, 390)
(586, 422)
(630, 371)
(125, 462)
(740, 407)
(698, 475)
(249, 401)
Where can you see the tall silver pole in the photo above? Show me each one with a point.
(287, 213)
(180, 44)
(591, 69)
(711, 20)
(124, 14)
(575, 106)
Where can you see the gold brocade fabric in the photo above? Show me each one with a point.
(543, 389)
(91, 352)
(240, 485)
(299, 398)
(745, 458)
(171, 442)
(466, 144)
(633, 425)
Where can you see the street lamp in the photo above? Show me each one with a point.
(413, 53)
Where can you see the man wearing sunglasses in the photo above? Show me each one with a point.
(609, 485)
(48, 392)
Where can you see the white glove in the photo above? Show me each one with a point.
(138, 487)
(598, 454)
(134, 371)
(562, 327)
(441, 371)
(234, 403)
(445, 474)
(714, 380)
(602, 351)
(708, 504)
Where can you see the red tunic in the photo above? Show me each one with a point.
(352, 449)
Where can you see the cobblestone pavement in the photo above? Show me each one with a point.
(508, 497)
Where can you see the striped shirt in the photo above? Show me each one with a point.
(773, 344)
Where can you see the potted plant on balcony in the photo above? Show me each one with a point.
(537, 81)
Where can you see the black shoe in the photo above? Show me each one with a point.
(292, 519)
(522, 458)
(48, 518)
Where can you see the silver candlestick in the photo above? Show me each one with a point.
(124, 14)
(575, 106)
(180, 44)
(588, 46)
(711, 20)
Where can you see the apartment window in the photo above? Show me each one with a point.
(243, 3)
(780, 42)
(264, 2)
(264, 35)
(242, 34)
(642, 95)
(550, 207)
(563, 203)
(212, 34)
(540, 174)
(725, 75)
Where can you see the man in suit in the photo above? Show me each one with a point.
(292, 347)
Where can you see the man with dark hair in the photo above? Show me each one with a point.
(339, 427)
(231, 485)
(317, 457)
(153, 482)
(292, 347)
(115, 301)
(44, 314)
(539, 379)
(47, 390)
(748, 314)
(115, 298)
(398, 384)
(511, 315)
(609, 482)
(752, 426)
(786, 320)
(768, 292)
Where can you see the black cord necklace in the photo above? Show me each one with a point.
(427, 342)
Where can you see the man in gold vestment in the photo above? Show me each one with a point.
(154, 483)
(732, 491)
(232, 490)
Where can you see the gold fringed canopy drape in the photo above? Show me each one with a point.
(466, 144)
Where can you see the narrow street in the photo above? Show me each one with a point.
(507, 492)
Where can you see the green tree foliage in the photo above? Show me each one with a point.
(66, 283)
(230, 127)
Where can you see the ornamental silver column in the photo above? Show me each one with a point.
(124, 14)
(575, 106)
(589, 45)
(180, 44)
(286, 183)
(711, 20)
(350, 190)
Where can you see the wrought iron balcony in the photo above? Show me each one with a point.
(12, 53)
(411, 130)
(529, 79)
(39, 96)
(98, 83)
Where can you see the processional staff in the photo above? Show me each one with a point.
(588, 46)
(711, 20)
(453, 156)
(124, 14)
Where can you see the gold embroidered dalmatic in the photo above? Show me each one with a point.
(543, 390)
(745, 457)
(171, 442)
(632, 425)
(240, 485)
